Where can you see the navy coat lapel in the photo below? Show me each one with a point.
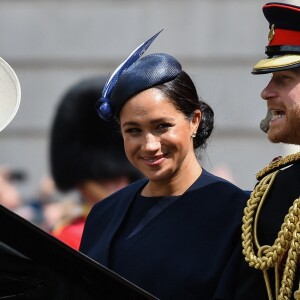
(108, 226)
(122, 208)
(128, 197)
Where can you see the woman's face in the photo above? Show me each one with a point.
(158, 137)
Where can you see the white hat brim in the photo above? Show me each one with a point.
(10, 94)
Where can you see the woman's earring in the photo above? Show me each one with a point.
(193, 135)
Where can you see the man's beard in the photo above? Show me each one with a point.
(289, 133)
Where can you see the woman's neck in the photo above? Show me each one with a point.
(175, 186)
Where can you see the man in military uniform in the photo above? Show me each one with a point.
(271, 223)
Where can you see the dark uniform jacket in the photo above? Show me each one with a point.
(285, 189)
(190, 250)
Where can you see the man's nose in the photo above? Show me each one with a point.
(269, 91)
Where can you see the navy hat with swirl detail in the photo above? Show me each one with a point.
(149, 71)
(103, 106)
(135, 75)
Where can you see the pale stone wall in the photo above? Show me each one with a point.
(52, 44)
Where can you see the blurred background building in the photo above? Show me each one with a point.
(52, 44)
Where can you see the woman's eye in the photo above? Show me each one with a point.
(164, 126)
(132, 130)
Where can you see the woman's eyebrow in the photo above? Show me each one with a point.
(154, 121)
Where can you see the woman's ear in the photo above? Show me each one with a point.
(196, 119)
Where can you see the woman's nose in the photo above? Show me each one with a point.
(151, 142)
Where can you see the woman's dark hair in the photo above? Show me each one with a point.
(183, 94)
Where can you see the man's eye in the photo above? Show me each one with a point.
(285, 77)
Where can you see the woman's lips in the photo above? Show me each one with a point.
(153, 160)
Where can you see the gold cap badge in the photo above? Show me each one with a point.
(271, 33)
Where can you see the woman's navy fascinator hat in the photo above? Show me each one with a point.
(135, 75)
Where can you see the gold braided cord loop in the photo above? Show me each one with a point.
(267, 255)
(291, 262)
(286, 248)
